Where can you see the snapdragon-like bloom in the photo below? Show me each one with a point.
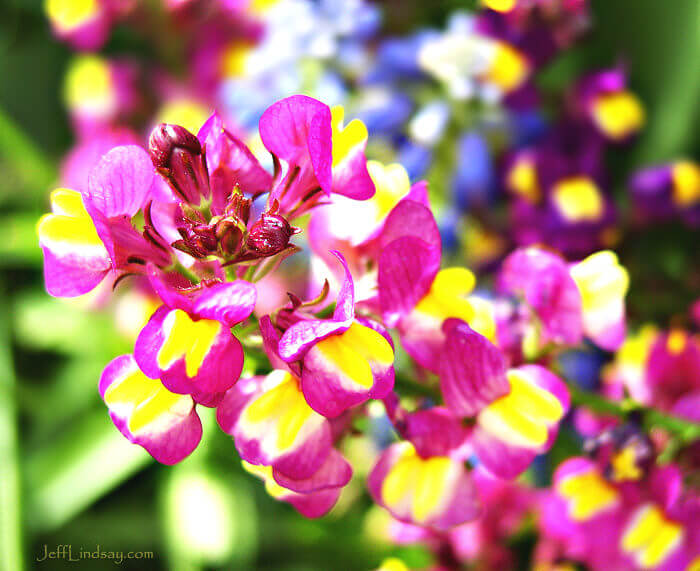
(645, 524)
(188, 343)
(421, 480)
(344, 360)
(90, 235)
(614, 111)
(165, 423)
(322, 156)
(415, 296)
(83, 23)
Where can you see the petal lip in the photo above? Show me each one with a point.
(298, 129)
(472, 371)
(230, 303)
(121, 183)
(301, 336)
(166, 446)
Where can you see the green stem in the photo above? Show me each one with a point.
(10, 492)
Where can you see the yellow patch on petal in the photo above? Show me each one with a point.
(618, 114)
(522, 417)
(69, 226)
(352, 352)
(624, 466)
(391, 183)
(186, 338)
(259, 7)
(522, 180)
(509, 68)
(676, 341)
(284, 412)
(686, 183)
(651, 537)
(587, 494)
(89, 85)
(346, 139)
(500, 5)
(578, 199)
(419, 482)
(146, 401)
(67, 15)
(188, 113)
(448, 295)
(234, 58)
(694, 564)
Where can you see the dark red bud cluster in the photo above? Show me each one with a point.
(178, 156)
(269, 235)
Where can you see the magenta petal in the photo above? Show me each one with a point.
(298, 129)
(407, 268)
(472, 371)
(544, 281)
(434, 431)
(315, 504)
(230, 161)
(176, 433)
(335, 472)
(499, 458)
(72, 275)
(351, 178)
(411, 218)
(302, 335)
(345, 302)
(229, 303)
(121, 182)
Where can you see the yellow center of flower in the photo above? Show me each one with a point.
(650, 538)
(676, 341)
(587, 494)
(618, 114)
(145, 401)
(522, 417)
(67, 15)
(578, 199)
(417, 482)
(284, 410)
(352, 351)
(522, 180)
(601, 280)
(686, 183)
(624, 466)
(234, 58)
(187, 338)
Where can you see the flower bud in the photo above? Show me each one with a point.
(177, 155)
(269, 235)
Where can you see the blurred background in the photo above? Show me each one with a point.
(68, 477)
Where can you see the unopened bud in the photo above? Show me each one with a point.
(269, 235)
(177, 155)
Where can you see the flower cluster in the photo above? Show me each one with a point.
(315, 299)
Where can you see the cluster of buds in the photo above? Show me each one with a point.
(180, 159)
